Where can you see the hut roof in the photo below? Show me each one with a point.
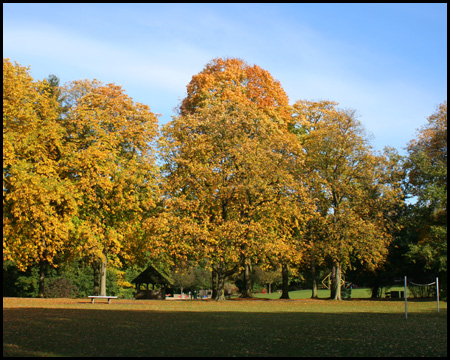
(151, 276)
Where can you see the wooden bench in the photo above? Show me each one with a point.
(93, 297)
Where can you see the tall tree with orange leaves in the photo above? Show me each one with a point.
(232, 79)
(228, 160)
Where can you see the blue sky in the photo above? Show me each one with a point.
(386, 61)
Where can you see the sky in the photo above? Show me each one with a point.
(386, 61)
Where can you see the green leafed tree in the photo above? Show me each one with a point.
(427, 172)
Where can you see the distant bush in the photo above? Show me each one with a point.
(26, 283)
(61, 288)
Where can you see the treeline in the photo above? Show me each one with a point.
(239, 179)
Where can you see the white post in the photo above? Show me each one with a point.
(437, 292)
(406, 303)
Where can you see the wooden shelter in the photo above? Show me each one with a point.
(154, 277)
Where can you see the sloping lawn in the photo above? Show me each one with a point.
(260, 327)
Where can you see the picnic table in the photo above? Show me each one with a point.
(93, 297)
(395, 294)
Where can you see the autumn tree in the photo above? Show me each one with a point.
(114, 169)
(427, 173)
(268, 277)
(183, 277)
(39, 201)
(354, 197)
(232, 79)
(57, 92)
(227, 158)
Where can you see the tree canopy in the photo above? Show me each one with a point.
(238, 178)
(427, 172)
(39, 202)
(354, 198)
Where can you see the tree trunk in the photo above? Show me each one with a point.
(285, 275)
(375, 290)
(96, 267)
(214, 284)
(247, 291)
(42, 269)
(336, 282)
(332, 282)
(314, 294)
(220, 286)
(103, 274)
(222, 275)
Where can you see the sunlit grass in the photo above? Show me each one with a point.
(357, 293)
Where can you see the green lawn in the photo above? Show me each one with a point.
(259, 327)
(357, 293)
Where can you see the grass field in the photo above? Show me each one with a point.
(258, 327)
(322, 294)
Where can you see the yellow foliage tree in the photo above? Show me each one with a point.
(355, 193)
(228, 160)
(39, 201)
(114, 169)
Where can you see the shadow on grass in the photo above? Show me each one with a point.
(79, 332)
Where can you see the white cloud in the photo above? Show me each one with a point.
(161, 66)
(154, 50)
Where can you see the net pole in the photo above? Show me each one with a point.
(437, 292)
(406, 302)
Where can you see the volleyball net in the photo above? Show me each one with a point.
(420, 290)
